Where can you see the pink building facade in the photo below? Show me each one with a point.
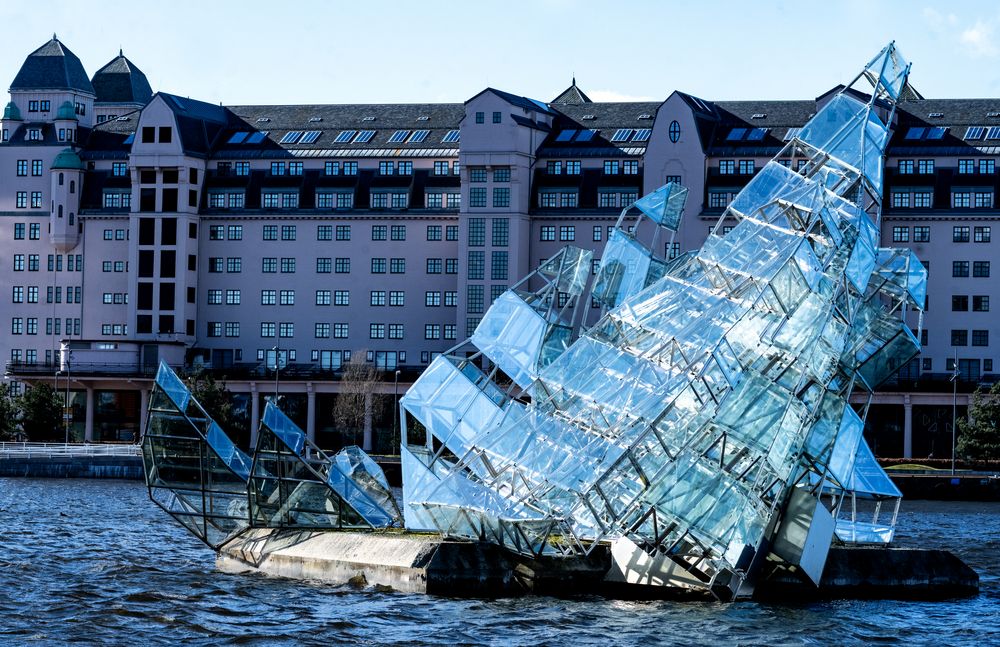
(137, 227)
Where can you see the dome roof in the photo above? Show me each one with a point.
(66, 111)
(52, 67)
(120, 81)
(12, 112)
(68, 159)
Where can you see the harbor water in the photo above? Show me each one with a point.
(95, 562)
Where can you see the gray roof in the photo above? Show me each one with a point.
(52, 67)
(120, 81)
(572, 95)
(606, 119)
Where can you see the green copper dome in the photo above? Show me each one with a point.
(66, 111)
(67, 159)
(12, 112)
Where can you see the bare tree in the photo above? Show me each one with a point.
(353, 405)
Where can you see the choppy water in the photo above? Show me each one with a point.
(91, 562)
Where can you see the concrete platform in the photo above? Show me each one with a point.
(426, 563)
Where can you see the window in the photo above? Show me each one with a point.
(451, 232)
(966, 166)
(379, 200)
(287, 265)
(746, 167)
(379, 232)
(454, 201)
(441, 168)
(981, 303)
(378, 266)
(35, 231)
(553, 167)
(501, 196)
(270, 232)
(22, 200)
(981, 234)
(450, 298)
(268, 297)
(477, 265)
(980, 337)
(22, 168)
(18, 262)
(286, 329)
(397, 266)
(340, 297)
(396, 331)
(567, 233)
(432, 299)
(922, 199)
(324, 232)
(501, 232)
(340, 331)
(376, 298)
(288, 232)
(496, 117)
(277, 168)
(981, 269)
(215, 264)
(451, 266)
(573, 167)
(961, 199)
(434, 265)
(611, 167)
(322, 297)
(630, 167)
(232, 329)
(214, 297)
(322, 331)
(987, 167)
(232, 297)
(36, 168)
(342, 266)
(900, 234)
(119, 169)
(959, 303)
(925, 167)
(434, 231)
(498, 267)
(548, 233)
(269, 265)
(960, 269)
(405, 168)
(981, 200)
(960, 234)
(435, 200)
(921, 234)
(324, 265)
(727, 167)
(480, 117)
(286, 297)
(597, 233)
(18, 296)
(959, 337)
(376, 331)
(432, 331)
(215, 232)
(343, 232)
(477, 232)
(475, 294)
(295, 168)
(477, 197)
(397, 232)
(234, 265)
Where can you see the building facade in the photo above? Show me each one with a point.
(137, 227)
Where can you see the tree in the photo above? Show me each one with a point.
(8, 413)
(217, 401)
(353, 405)
(41, 413)
(979, 435)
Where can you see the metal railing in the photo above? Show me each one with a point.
(66, 450)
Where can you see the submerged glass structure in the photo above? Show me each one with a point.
(215, 490)
(702, 426)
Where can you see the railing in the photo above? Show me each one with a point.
(66, 450)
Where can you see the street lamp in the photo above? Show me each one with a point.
(395, 408)
(954, 407)
(277, 370)
(66, 404)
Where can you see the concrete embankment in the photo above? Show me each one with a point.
(97, 467)
(425, 563)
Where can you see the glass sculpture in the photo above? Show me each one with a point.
(703, 425)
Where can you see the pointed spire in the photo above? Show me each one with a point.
(120, 52)
(54, 36)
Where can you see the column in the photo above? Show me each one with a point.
(143, 410)
(254, 414)
(367, 443)
(907, 427)
(310, 412)
(88, 429)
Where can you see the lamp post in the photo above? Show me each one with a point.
(277, 371)
(66, 404)
(395, 408)
(954, 408)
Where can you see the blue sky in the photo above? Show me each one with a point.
(376, 51)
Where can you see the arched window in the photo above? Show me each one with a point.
(72, 186)
(60, 179)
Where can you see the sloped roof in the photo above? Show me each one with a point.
(52, 67)
(572, 95)
(120, 81)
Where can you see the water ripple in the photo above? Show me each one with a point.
(96, 562)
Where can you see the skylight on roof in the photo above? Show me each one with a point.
(758, 115)
(423, 118)
(936, 132)
(791, 134)
(588, 117)
(993, 132)
(256, 137)
(565, 135)
(915, 132)
(736, 134)
(586, 135)
(993, 114)
(451, 136)
(622, 135)
(399, 136)
(310, 137)
(975, 132)
(125, 118)
(641, 135)
(314, 120)
(364, 136)
(291, 137)
(418, 136)
(368, 118)
(645, 116)
(756, 134)
(237, 138)
(935, 115)
(263, 120)
(344, 136)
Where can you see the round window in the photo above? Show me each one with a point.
(674, 131)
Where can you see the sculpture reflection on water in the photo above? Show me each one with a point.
(702, 425)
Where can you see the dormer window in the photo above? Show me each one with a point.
(45, 105)
(33, 106)
(34, 134)
(81, 108)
